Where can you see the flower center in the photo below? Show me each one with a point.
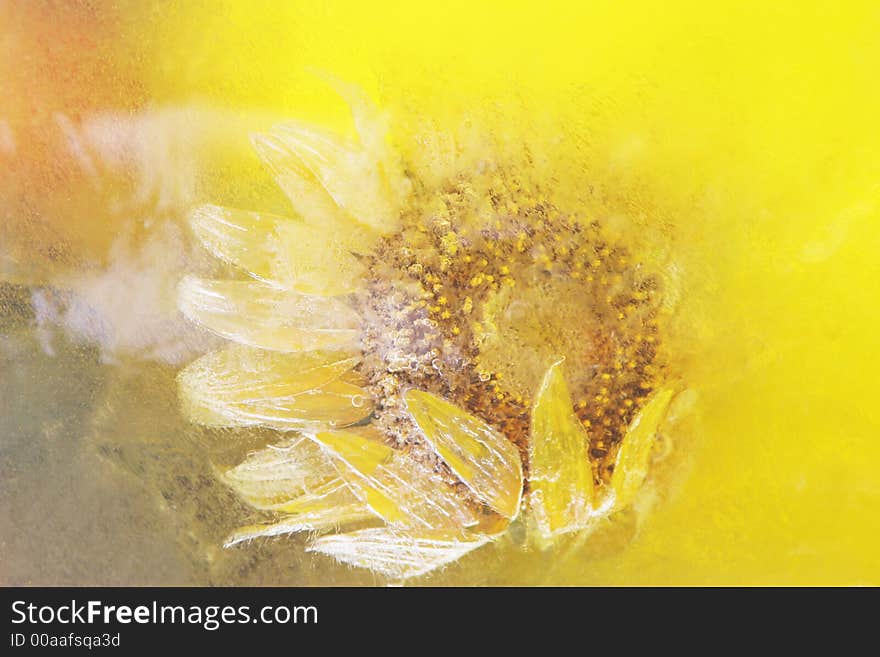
(484, 287)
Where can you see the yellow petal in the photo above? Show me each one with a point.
(369, 121)
(242, 386)
(353, 177)
(397, 554)
(245, 239)
(307, 195)
(273, 476)
(483, 459)
(316, 520)
(634, 456)
(307, 257)
(332, 493)
(295, 478)
(398, 488)
(322, 258)
(372, 129)
(268, 317)
(560, 476)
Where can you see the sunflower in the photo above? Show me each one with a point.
(443, 352)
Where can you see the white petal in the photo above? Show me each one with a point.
(242, 386)
(306, 193)
(354, 178)
(396, 554)
(308, 257)
(277, 474)
(372, 125)
(320, 520)
(369, 121)
(398, 488)
(295, 478)
(265, 316)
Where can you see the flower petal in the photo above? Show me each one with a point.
(316, 520)
(634, 456)
(307, 195)
(277, 474)
(268, 317)
(309, 258)
(397, 554)
(353, 177)
(398, 488)
(242, 386)
(560, 476)
(322, 258)
(372, 124)
(483, 459)
(369, 121)
(295, 478)
(242, 238)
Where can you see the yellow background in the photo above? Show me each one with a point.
(747, 131)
